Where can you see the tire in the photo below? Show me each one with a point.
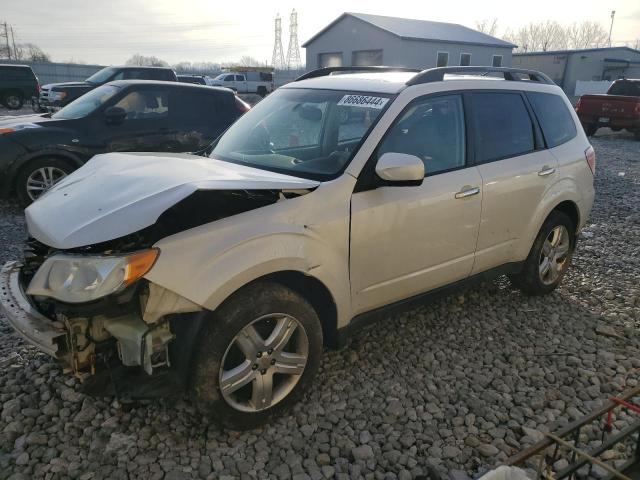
(13, 100)
(45, 172)
(228, 347)
(557, 232)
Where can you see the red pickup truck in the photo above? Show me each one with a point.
(618, 109)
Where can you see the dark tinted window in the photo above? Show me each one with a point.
(554, 117)
(432, 130)
(631, 89)
(502, 126)
(193, 106)
(16, 73)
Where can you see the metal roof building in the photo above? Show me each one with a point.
(363, 39)
(566, 67)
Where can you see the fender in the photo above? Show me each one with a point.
(565, 189)
(21, 161)
(208, 263)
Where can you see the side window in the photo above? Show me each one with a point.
(433, 130)
(120, 75)
(145, 104)
(502, 126)
(134, 74)
(442, 59)
(229, 78)
(555, 120)
(200, 107)
(239, 78)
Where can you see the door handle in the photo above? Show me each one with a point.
(546, 170)
(467, 192)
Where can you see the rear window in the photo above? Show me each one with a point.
(17, 73)
(631, 89)
(194, 106)
(554, 118)
(502, 126)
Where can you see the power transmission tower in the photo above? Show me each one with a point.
(293, 54)
(278, 54)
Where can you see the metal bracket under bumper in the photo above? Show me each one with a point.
(34, 327)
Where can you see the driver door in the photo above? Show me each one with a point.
(406, 240)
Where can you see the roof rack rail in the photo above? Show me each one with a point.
(437, 74)
(322, 72)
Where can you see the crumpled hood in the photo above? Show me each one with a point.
(117, 194)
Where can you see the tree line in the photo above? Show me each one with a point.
(551, 35)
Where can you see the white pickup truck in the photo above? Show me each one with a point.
(246, 82)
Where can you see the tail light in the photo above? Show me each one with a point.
(243, 107)
(590, 156)
(636, 110)
(38, 87)
(578, 104)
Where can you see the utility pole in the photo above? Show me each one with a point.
(13, 41)
(6, 37)
(613, 14)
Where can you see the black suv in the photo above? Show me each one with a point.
(17, 83)
(127, 116)
(58, 95)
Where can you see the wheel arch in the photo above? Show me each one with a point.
(22, 162)
(571, 210)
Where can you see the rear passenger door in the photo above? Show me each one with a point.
(516, 172)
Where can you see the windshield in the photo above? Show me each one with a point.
(101, 76)
(87, 103)
(302, 132)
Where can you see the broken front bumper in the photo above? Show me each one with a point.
(34, 327)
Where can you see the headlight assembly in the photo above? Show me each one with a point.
(83, 278)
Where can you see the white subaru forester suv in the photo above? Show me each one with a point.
(336, 199)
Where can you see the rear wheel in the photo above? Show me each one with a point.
(256, 356)
(13, 100)
(549, 257)
(38, 176)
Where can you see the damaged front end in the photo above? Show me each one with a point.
(132, 325)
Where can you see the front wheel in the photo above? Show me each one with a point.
(549, 257)
(257, 355)
(38, 176)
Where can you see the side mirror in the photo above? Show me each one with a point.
(115, 115)
(400, 169)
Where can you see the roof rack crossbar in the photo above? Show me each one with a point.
(322, 72)
(437, 74)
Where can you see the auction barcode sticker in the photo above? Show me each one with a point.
(363, 101)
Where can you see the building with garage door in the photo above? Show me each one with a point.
(567, 67)
(362, 39)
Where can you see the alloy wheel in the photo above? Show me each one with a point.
(42, 180)
(264, 362)
(555, 254)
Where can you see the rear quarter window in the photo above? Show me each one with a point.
(502, 126)
(193, 105)
(553, 115)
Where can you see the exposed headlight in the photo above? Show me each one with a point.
(82, 278)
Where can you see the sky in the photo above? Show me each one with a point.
(110, 31)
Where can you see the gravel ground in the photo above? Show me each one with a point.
(460, 384)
